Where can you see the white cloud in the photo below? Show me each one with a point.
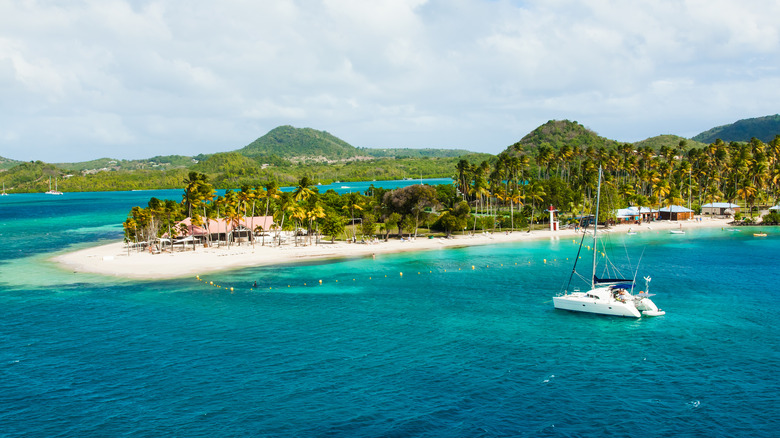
(138, 78)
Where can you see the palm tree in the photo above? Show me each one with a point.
(304, 190)
(514, 197)
(271, 193)
(353, 202)
(535, 193)
(312, 214)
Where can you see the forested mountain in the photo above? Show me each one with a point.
(558, 134)
(299, 143)
(762, 128)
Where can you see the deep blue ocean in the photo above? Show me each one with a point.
(404, 345)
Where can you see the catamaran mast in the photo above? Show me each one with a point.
(595, 228)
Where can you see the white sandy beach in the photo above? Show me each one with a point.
(115, 260)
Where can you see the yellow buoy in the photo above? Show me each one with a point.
(545, 260)
(402, 274)
(320, 281)
(231, 289)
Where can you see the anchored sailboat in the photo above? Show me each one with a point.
(607, 296)
(55, 191)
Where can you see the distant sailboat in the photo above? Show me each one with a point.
(55, 191)
(4, 193)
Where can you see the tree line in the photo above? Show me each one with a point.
(510, 191)
(376, 213)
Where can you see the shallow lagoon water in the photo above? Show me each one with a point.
(448, 351)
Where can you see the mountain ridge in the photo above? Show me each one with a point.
(763, 128)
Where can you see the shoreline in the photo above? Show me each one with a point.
(113, 260)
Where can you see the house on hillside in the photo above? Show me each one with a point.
(675, 213)
(720, 208)
(636, 214)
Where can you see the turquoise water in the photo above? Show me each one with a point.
(442, 350)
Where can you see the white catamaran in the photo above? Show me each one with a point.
(607, 296)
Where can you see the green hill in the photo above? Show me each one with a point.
(558, 133)
(7, 163)
(299, 143)
(670, 141)
(762, 128)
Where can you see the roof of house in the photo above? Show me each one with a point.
(633, 211)
(222, 225)
(720, 205)
(676, 209)
(776, 207)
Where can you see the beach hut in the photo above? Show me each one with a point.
(636, 214)
(627, 215)
(222, 230)
(719, 208)
(675, 213)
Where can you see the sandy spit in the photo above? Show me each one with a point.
(114, 260)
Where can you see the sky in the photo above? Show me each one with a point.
(132, 79)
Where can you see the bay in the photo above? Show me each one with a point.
(461, 342)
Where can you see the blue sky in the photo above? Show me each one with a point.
(132, 79)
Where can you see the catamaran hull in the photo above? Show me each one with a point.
(588, 305)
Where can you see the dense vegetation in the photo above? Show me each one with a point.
(668, 141)
(413, 153)
(559, 154)
(226, 171)
(559, 134)
(7, 163)
(566, 177)
(353, 215)
(762, 128)
(289, 142)
(509, 191)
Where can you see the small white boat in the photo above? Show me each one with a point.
(677, 232)
(4, 193)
